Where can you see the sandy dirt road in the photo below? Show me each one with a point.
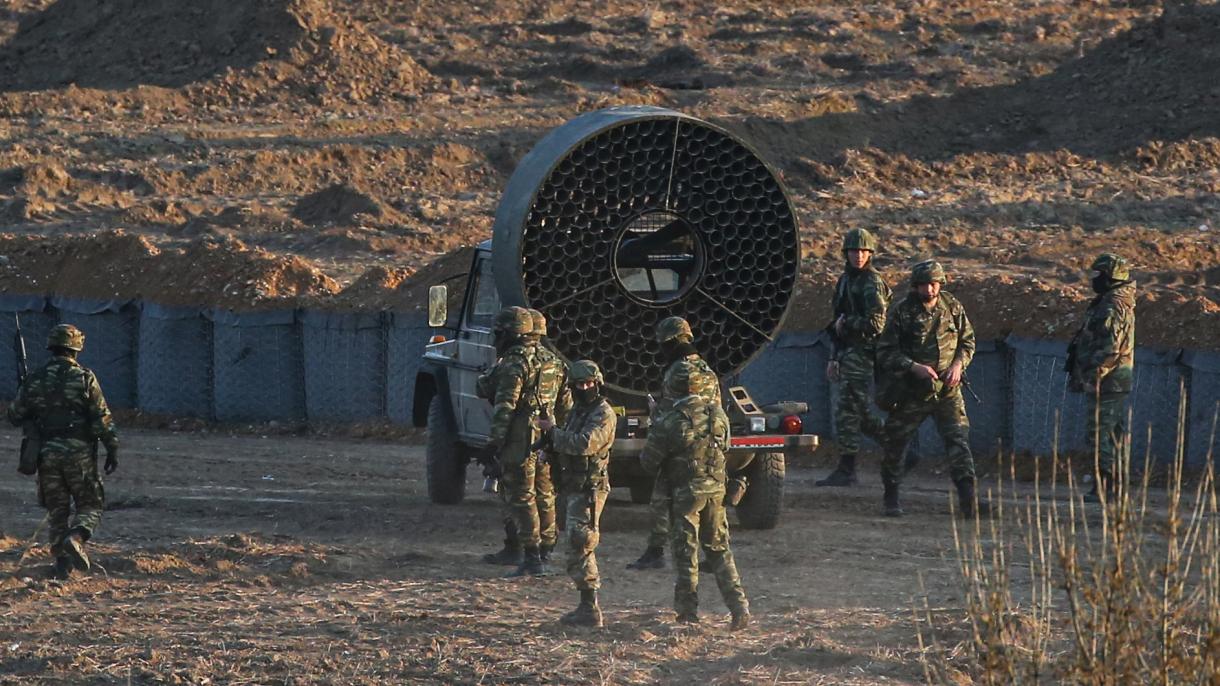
(291, 560)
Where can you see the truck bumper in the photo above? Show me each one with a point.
(770, 443)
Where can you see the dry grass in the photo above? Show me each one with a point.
(1061, 591)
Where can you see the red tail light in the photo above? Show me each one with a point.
(791, 424)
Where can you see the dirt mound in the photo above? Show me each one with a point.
(245, 52)
(119, 265)
(122, 43)
(1152, 83)
(337, 204)
(39, 190)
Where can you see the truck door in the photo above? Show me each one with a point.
(475, 350)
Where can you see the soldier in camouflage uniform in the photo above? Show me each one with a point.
(555, 399)
(1101, 361)
(516, 406)
(66, 403)
(581, 448)
(860, 299)
(687, 444)
(676, 340)
(923, 352)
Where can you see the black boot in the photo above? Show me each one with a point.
(74, 546)
(892, 507)
(531, 565)
(61, 570)
(843, 475)
(739, 620)
(653, 558)
(544, 552)
(587, 613)
(1103, 482)
(968, 499)
(510, 554)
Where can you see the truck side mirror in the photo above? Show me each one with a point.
(438, 302)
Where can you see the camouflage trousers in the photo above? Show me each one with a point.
(65, 480)
(854, 414)
(949, 412)
(584, 532)
(529, 496)
(701, 520)
(1105, 428)
(658, 506)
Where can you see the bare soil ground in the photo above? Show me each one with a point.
(323, 151)
(248, 559)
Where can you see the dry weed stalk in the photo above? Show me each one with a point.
(1060, 591)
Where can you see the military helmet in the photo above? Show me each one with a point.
(66, 336)
(584, 370)
(673, 327)
(539, 322)
(1113, 266)
(927, 272)
(859, 239)
(515, 320)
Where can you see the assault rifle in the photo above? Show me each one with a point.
(31, 441)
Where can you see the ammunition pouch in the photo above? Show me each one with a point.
(31, 446)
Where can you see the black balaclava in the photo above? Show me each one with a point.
(505, 340)
(1103, 283)
(585, 396)
(675, 349)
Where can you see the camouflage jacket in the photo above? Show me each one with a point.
(703, 380)
(66, 402)
(687, 443)
(914, 334)
(1104, 348)
(582, 447)
(553, 383)
(861, 297)
(514, 398)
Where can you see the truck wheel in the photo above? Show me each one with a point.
(641, 491)
(446, 463)
(764, 498)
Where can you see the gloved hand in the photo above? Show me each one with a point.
(112, 461)
(486, 456)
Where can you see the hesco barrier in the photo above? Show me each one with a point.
(294, 365)
(174, 372)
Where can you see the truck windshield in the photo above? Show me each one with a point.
(485, 303)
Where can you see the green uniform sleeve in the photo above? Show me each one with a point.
(563, 404)
(1103, 351)
(100, 420)
(889, 345)
(660, 443)
(509, 382)
(870, 322)
(965, 338)
(592, 436)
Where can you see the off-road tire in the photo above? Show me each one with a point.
(641, 491)
(764, 499)
(446, 461)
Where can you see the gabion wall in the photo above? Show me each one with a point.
(300, 365)
(174, 367)
(345, 365)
